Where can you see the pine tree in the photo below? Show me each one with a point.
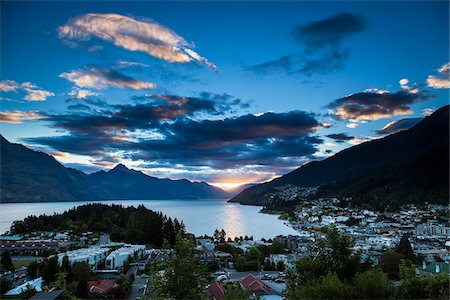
(404, 248)
(6, 262)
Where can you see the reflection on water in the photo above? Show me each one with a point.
(201, 216)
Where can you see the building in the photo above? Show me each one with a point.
(35, 285)
(287, 259)
(92, 255)
(117, 258)
(215, 291)
(32, 247)
(433, 230)
(101, 286)
(433, 268)
(254, 285)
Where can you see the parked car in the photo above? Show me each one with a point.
(280, 280)
(221, 278)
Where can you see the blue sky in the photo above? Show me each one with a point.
(295, 81)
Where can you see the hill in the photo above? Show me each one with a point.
(411, 164)
(32, 176)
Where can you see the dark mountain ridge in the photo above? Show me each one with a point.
(32, 176)
(369, 159)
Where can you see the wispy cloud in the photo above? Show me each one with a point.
(323, 47)
(102, 78)
(399, 125)
(133, 34)
(441, 81)
(31, 90)
(18, 117)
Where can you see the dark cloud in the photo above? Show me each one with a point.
(340, 137)
(279, 139)
(323, 42)
(375, 104)
(399, 125)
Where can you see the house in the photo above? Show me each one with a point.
(433, 268)
(287, 259)
(52, 295)
(92, 255)
(117, 258)
(254, 285)
(215, 291)
(101, 286)
(35, 285)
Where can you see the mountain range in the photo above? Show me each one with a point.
(32, 176)
(410, 166)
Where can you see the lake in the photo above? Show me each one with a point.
(201, 216)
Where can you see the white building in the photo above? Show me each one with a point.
(92, 255)
(287, 259)
(35, 285)
(117, 258)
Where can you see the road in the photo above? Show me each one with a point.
(136, 287)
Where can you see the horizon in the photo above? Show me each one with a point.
(182, 92)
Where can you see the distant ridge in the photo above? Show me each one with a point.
(32, 176)
(408, 166)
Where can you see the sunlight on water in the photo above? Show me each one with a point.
(201, 216)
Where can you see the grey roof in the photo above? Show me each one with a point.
(47, 295)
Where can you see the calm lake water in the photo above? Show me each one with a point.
(201, 216)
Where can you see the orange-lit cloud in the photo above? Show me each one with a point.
(18, 117)
(135, 35)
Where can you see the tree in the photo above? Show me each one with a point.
(328, 257)
(390, 263)
(182, 279)
(235, 293)
(81, 270)
(6, 262)
(372, 284)
(5, 285)
(404, 248)
(216, 235)
(280, 266)
(329, 287)
(82, 290)
(48, 269)
(222, 235)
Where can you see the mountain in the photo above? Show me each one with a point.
(124, 183)
(32, 176)
(411, 164)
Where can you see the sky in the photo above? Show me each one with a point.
(227, 93)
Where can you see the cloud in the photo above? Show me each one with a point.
(340, 137)
(32, 91)
(323, 47)
(81, 94)
(374, 104)
(18, 117)
(273, 139)
(399, 125)
(404, 84)
(441, 81)
(360, 140)
(100, 79)
(134, 35)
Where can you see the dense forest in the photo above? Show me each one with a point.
(127, 224)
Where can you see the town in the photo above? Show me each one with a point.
(32, 263)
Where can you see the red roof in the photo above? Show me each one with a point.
(101, 286)
(215, 290)
(255, 285)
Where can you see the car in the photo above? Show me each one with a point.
(222, 278)
(266, 277)
(280, 280)
(218, 273)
